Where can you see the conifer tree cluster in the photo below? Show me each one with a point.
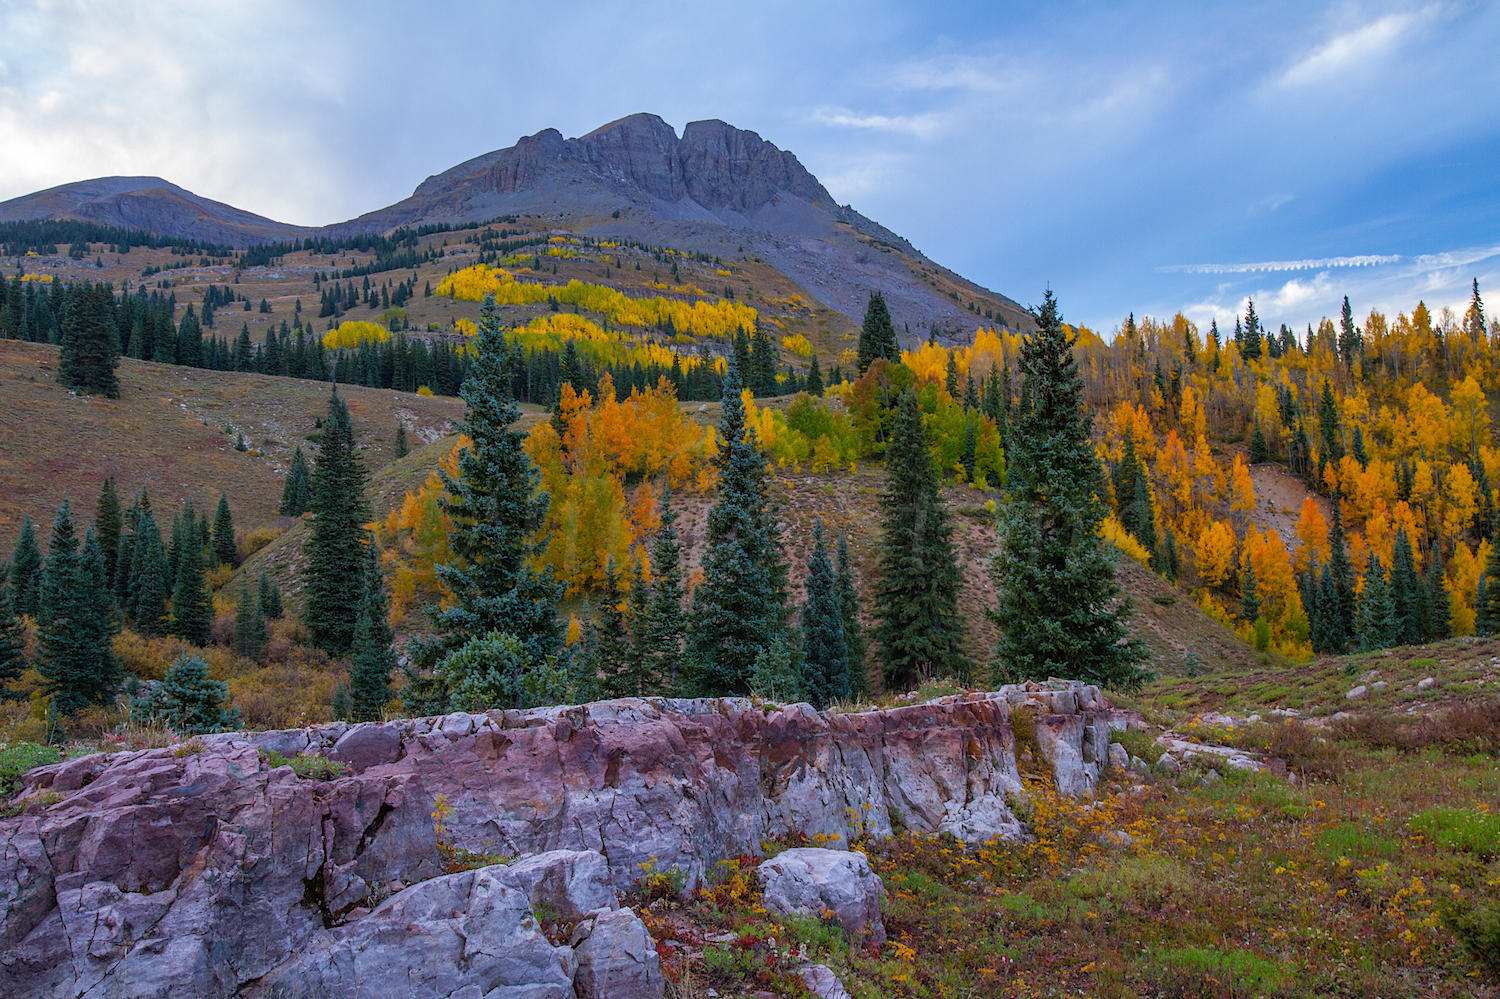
(336, 552)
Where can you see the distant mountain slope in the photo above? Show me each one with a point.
(151, 204)
(716, 189)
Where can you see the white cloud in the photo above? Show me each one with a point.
(1365, 46)
(1368, 260)
(923, 126)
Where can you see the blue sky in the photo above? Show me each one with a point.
(1134, 157)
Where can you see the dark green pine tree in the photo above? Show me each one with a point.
(268, 596)
(1357, 447)
(1482, 619)
(814, 386)
(249, 624)
(1133, 496)
(739, 609)
(762, 362)
(918, 629)
(1059, 610)
(296, 494)
(402, 448)
(855, 645)
(614, 636)
(495, 506)
(146, 604)
(971, 395)
(664, 622)
(1378, 626)
(224, 550)
(877, 336)
(639, 673)
(1257, 446)
(108, 523)
(1330, 435)
(571, 367)
(1351, 341)
(1249, 594)
(1407, 591)
(26, 571)
(192, 605)
(1489, 606)
(373, 659)
(1250, 346)
(336, 544)
(1439, 614)
(12, 645)
(77, 662)
(967, 456)
(825, 656)
(1343, 580)
(950, 383)
(89, 342)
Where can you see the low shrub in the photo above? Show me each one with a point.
(1477, 927)
(308, 766)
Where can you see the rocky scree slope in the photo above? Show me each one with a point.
(204, 866)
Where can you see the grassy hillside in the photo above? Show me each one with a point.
(173, 431)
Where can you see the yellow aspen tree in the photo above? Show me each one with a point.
(1312, 531)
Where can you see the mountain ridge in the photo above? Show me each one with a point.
(715, 189)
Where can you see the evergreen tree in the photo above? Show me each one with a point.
(187, 701)
(971, 395)
(614, 637)
(1351, 341)
(950, 384)
(249, 625)
(814, 385)
(825, 656)
(1357, 448)
(373, 659)
(108, 522)
(1343, 580)
(1378, 626)
(12, 645)
(402, 449)
(77, 663)
(639, 672)
(663, 624)
(1257, 446)
(495, 506)
(1330, 434)
(146, 605)
(1439, 619)
(1482, 617)
(192, 606)
(89, 342)
(739, 608)
(26, 571)
(268, 598)
(224, 550)
(967, 456)
(1407, 591)
(336, 543)
(1133, 496)
(763, 362)
(1250, 345)
(877, 336)
(1249, 594)
(1059, 612)
(854, 633)
(296, 494)
(1489, 605)
(916, 601)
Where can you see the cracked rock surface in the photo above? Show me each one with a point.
(206, 872)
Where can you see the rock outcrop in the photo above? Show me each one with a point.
(814, 881)
(204, 865)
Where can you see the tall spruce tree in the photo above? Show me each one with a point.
(108, 522)
(249, 624)
(762, 362)
(224, 550)
(336, 544)
(26, 570)
(1059, 612)
(825, 655)
(1440, 617)
(877, 336)
(402, 448)
(495, 506)
(1343, 580)
(614, 651)
(77, 662)
(1378, 625)
(296, 494)
(12, 644)
(146, 606)
(1351, 342)
(192, 605)
(855, 645)
(1407, 592)
(814, 386)
(89, 342)
(918, 629)
(268, 597)
(664, 623)
(739, 608)
(373, 659)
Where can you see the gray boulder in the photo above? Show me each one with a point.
(616, 958)
(822, 982)
(565, 884)
(811, 880)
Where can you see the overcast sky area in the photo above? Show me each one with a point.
(1146, 157)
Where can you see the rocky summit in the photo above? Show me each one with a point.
(213, 869)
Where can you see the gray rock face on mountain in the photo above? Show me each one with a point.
(208, 870)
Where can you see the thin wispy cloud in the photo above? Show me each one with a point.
(1321, 263)
(1364, 48)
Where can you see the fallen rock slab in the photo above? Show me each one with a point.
(814, 881)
